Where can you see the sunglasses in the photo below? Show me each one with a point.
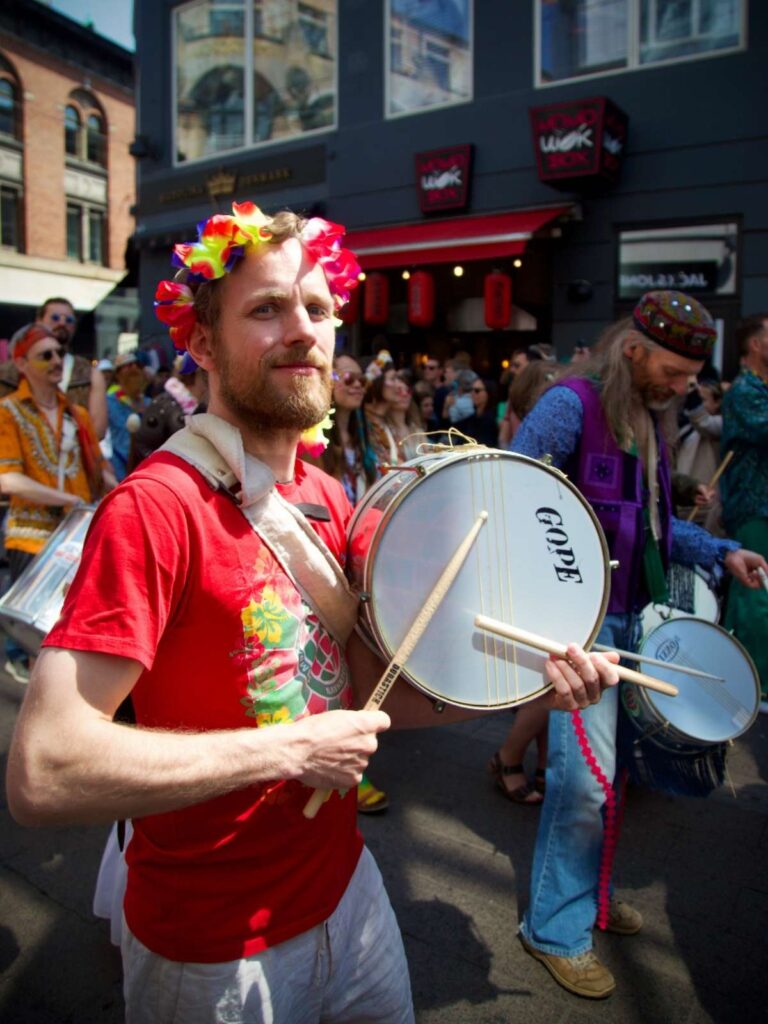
(350, 377)
(47, 354)
(66, 318)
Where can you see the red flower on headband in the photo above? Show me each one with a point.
(174, 307)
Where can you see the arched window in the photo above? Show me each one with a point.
(85, 134)
(95, 150)
(72, 131)
(9, 119)
(10, 101)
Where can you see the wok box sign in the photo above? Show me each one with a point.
(580, 142)
(442, 178)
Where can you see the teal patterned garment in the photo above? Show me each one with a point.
(744, 484)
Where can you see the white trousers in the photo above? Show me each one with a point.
(349, 970)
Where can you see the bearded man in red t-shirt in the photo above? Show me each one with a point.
(210, 592)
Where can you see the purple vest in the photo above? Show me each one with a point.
(612, 482)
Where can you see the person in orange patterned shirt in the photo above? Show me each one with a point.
(49, 454)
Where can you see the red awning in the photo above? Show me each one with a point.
(446, 241)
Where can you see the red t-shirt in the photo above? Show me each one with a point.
(173, 576)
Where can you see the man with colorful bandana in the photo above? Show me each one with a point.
(49, 456)
(601, 424)
(744, 485)
(211, 592)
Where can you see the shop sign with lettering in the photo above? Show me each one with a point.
(579, 143)
(694, 276)
(443, 177)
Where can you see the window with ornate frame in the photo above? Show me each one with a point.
(428, 54)
(85, 137)
(577, 39)
(251, 72)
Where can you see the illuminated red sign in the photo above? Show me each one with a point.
(579, 141)
(442, 178)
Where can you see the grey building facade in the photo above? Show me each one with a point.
(365, 111)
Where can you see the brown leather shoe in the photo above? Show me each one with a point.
(623, 919)
(583, 975)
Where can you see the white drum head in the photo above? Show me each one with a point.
(540, 563)
(705, 710)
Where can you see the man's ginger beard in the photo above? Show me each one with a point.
(257, 405)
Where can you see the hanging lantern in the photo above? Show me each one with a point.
(376, 302)
(498, 300)
(421, 299)
(349, 313)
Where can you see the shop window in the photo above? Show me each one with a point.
(701, 259)
(10, 217)
(86, 233)
(588, 37)
(250, 72)
(429, 54)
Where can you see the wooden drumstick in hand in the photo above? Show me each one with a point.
(715, 477)
(541, 643)
(410, 640)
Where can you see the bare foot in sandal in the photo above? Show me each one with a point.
(511, 781)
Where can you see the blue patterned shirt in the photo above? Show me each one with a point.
(744, 484)
(553, 427)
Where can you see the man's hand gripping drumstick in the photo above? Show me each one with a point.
(412, 637)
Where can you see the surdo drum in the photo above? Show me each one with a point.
(706, 711)
(540, 563)
(32, 605)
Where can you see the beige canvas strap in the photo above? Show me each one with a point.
(215, 448)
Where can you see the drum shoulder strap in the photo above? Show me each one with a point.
(302, 554)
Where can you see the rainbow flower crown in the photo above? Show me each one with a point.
(222, 241)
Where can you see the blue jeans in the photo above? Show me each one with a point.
(563, 906)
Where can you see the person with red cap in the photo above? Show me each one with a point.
(602, 424)
(49, 454)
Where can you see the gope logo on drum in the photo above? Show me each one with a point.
(559, 545)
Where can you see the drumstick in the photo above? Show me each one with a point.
(715, 477)
(656, 661)
(412, 637)
(542, 643)
(763, 577)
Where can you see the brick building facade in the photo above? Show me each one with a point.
(66, 176)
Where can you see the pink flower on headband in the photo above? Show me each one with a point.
(174, 307)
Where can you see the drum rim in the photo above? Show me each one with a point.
(646, 696)
(439, 461)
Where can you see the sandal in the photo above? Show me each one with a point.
(540, 781)
(520, 795)
(371, 800)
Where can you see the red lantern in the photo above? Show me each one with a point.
(421, 299)
(348, 314)
(498, 300)
(376, 302)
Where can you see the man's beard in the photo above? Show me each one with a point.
(61, 331)
(261, 407)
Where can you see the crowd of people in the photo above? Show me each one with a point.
(231, 610)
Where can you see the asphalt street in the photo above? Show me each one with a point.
(456, 858)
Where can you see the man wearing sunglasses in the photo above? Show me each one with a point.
(81, 382)
(49, 454)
